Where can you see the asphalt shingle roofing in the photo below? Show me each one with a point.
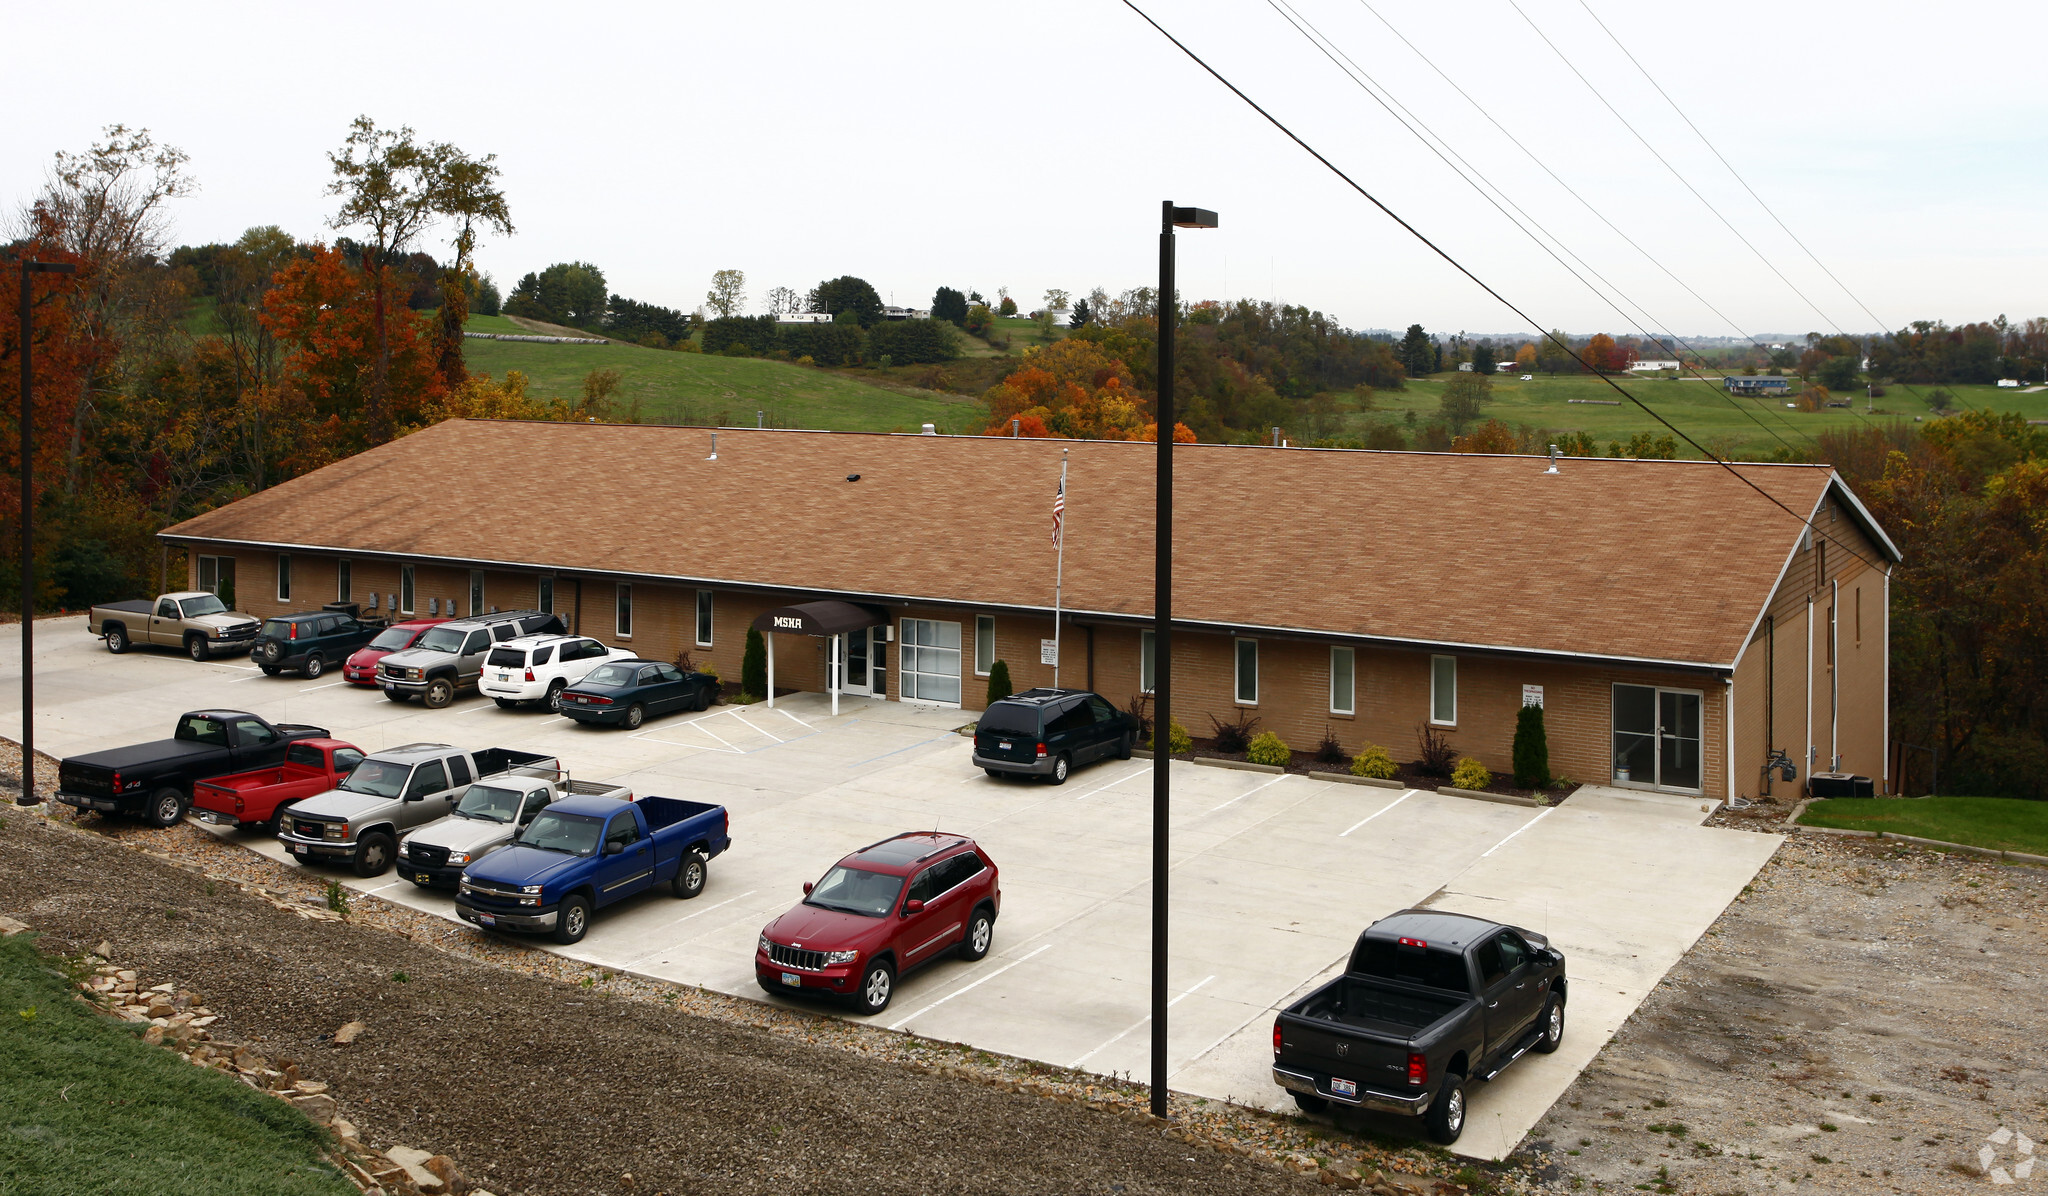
(1652, 560)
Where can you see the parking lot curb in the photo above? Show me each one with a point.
(1505, 799)
(1241, 765)
(1345, 778)
(1993, 853)
(1141, 753)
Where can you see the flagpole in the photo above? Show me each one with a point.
(1059, 575)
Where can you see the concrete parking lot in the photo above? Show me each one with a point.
(1272, 876)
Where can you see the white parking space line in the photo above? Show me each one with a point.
(239, 680)
(679, 921)
(1254, 789)
(1518, 830)
(224, 665)
(793, 718)
(1383, 809)
(386, 885)
(1113, 784)
(1137, 1025)
(956, 992)
(769, 734)
(1233, 1033)
(330, 685)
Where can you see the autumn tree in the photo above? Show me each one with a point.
(471, 197)
(847, 294)
(727, 296)
(1008, 307)
(1463, 400)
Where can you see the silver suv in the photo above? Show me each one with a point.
(451, 656)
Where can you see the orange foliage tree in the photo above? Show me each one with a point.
(1075, 390)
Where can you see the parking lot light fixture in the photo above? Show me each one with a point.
(26, 330)
(1162, 629)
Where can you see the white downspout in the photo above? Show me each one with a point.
(832, 669)
(1884, 644)
(771, 670)
(1809, 696)
(1728, 724)
(1835, 675)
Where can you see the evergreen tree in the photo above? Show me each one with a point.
(949, 304)
(754, 665)
(1532, 749)
(1079, 318)
(999, 682)
(1418, 353)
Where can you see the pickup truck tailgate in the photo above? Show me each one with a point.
(76, 777)
(1343, 1051)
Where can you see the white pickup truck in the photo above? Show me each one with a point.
(489, 816)
(537, 668)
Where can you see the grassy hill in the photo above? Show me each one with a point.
(697, 388)
(1723, 422)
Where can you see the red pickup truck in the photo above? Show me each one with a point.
(257, 800)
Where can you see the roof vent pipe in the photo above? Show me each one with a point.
(1013, 428)
(1553, 460)
(931, 429)
(714, 448)
(760, 419)
(1276, 438)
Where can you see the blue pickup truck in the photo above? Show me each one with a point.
(584, 853)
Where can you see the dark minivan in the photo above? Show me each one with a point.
(1048, 732)
(312, 640)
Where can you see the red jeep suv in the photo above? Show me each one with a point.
(880, 912)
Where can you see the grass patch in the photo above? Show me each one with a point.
(2004, 823)
(86, 1106)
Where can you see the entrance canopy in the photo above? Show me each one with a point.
(828, 617)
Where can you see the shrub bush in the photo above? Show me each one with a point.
(1178, 741)
(1373, 762)
(1235, 736)
(999, 686)
(824, 344)
(1470, 774)
(1532, 749)
(1437, 752)
(912, 342)
(1329, 751)
(1141, 709)
(806, 359)
(757, 333)
(1268, 748)
(687, 345)
(754, 664)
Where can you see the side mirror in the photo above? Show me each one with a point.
(415, 797)
(913, 906)
(614, 847)
(808, 886)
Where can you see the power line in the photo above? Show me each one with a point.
(1503, 300)
(1416, 126)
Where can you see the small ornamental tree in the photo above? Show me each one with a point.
(1532, 749)
(754, 665)
(999, 686)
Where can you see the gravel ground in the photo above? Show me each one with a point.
(685, 1090)
(1862, 1020)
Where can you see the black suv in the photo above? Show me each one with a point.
(1046, 732)
(312, 640)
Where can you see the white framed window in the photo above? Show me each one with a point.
(342, 584)
(929, 668)
(984, 644)
(1343, 681)
(1247, 692)
(544, 596)
(1148, 676)
(284, 577)
(476, 592)
(623, 612)
(1443, 690)
(217, 577)
(703, 618)
(405, 589)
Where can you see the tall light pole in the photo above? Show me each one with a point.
(1162, 633)
(26, 329)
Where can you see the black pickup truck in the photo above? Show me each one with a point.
(153, 781)
(1430, 1003)
(312, 640)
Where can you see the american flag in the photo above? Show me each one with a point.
(1059, 508)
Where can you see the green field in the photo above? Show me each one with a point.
(89, 1108)
(1726, 423)
(2004, 823)
(696, 388)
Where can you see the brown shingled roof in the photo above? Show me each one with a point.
(1652, 560)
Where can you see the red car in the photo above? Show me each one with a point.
(260, 798)
(884, 910)
(361, 668)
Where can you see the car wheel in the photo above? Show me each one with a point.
(690, 875)
(635, 715)
(440, 692)
(572, 921)
(314, 666)
(1447, 1112)
(117, 640)
(981, 931)
(195, 647)
(1124, 746)
(373, 854)
(877, 985)
(505, 703)
(1310, 1104)
(1553, 1026)
(703, 701)
(270, 670)
(276, 824)
(1060, 765)
(997, 773)
(554, 698)
(166, 807)
(398, 695)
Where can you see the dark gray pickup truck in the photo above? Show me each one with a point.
(1429, 1003)
(154, 780)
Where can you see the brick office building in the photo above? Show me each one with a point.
(1677, 624)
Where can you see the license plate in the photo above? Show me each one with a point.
(792, 979)
(487, 919)
(1004, 746)
(1343, 1087)
(504, 676)
(422, 877)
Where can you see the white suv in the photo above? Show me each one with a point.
(537, 668)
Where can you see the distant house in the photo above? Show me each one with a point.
(1463, 365)
(1657, 365)
(2008, 381)
(906, 313)
(804, 317)
(1767, 384)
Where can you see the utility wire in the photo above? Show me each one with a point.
(1503, 300)
(1416, 126)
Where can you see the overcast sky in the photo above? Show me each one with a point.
(920, 144)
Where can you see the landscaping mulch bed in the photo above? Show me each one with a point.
(1408, 775)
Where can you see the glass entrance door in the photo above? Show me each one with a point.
(856, 658)
(1657, 737)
